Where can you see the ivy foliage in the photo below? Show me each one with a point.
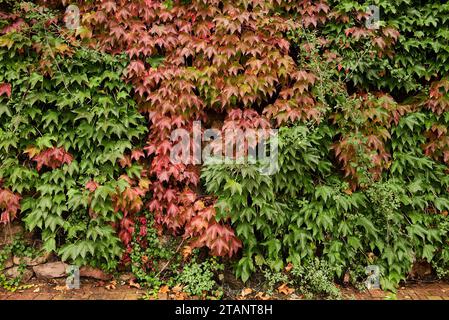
(391, 223)
(366, 186)
(362, 115)
(409, 48)
(65, 121)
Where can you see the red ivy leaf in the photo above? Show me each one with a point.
(52, 158)
(5, 89)
(10, 203)
(92, 186)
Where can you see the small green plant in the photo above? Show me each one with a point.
(442, 273)
(66, 119)
(150, 294)
(20, 249)
(149, 254)
(391, 296)
(315, 278)
(198, 278)
(274, 278)
(357, 277)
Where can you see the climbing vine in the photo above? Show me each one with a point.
(87, 117)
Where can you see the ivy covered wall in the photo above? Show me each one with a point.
(86, 117)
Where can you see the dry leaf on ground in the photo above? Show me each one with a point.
(61, 288)
(262, 296)
(246, 291)
(284, 289)
(164, 289)
(177, 288)
(289, 267)
(133, 284)
(112, 285)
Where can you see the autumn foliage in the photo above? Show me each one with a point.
(313, 69)
(9, 204)
(186, 62)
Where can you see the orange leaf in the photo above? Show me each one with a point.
(246, 291)
(164, 289)
(284, 289)
(289, 267)
(186, 252)
(31, 151)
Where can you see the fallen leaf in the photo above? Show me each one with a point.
(284, 289)
(61, 288)
(262, 296)
(133, 284)
(112, 285)
(37, 290)
(164, 289)
(218, 294)
(246, 291)
(181, 296)
(162, 296)
(289, 267)
(177, 288)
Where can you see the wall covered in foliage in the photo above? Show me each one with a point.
(86, 118)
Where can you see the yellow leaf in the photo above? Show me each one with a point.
(6, 42)
(31, 151)
(144, 184)
(84, 32)
(199, 205)
(61, 48)
(186, 252)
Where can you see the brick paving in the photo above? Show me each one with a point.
(89, 290)
(412, 291)
(94, 290)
